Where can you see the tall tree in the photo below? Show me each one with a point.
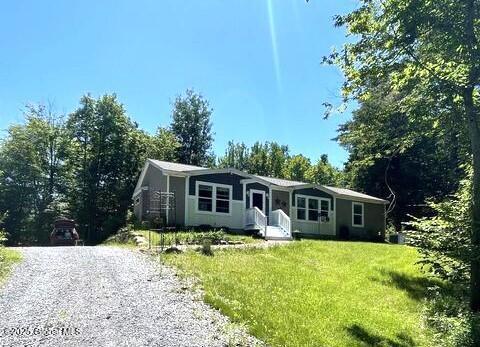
(192, 126)
(296, 168)
(403, 161)
(324, 173)
(106, 156)
(258, 162)
(277, 158)
(31, 184)
(236, 156)
(431, 48)
(164, 145)
(268, 159)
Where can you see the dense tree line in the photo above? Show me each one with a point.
(85, 165)
(274, 160)
(405, 162)
(413, 66)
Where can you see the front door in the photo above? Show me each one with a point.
(325, 217)
(257, 199)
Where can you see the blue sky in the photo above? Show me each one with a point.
(256, 61)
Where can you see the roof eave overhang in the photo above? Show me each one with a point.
(316, 186)
(254, 179)
(360, 199)
(215, 171)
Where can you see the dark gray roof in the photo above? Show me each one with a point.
(352, 193)
(167, 165)
(280, 181)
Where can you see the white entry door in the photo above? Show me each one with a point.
(257, 199)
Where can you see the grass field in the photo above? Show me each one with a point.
(7, 258)
(317, 293)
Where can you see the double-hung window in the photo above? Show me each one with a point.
(213, 198)
(311, 209)
(205, 198)
(222, 202)
(301, 208)
(357, 214)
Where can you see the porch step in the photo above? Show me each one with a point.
(275, 233)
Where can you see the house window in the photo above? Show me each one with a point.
(357, 214)
(313, 209)
(213, 198)
(301, 208)
(205, 198)
(223, 200)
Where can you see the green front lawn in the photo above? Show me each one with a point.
(7, 258)
(317, 293)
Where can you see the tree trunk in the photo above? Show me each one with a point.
(474, 133)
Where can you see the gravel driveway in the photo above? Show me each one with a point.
(105, 296)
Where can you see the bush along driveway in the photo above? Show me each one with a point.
(105, 296)
(8, 257)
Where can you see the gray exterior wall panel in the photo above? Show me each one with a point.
(374, 218)
(312, 192)
(223, 178)
(280, 200)
(177, 186)
(155, 179)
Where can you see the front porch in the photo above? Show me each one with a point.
(277, 226)
(276, 212)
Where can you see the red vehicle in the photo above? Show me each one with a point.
(64, 233)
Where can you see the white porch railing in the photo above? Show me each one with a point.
(278, 225)
(254, 218)
(282, 220)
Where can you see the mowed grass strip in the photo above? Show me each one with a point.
(317, 293)
(7, 258)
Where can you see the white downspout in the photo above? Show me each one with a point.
(168, 199)
(244, 205)
(335, 215)
(187, 188)
(269, 200)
